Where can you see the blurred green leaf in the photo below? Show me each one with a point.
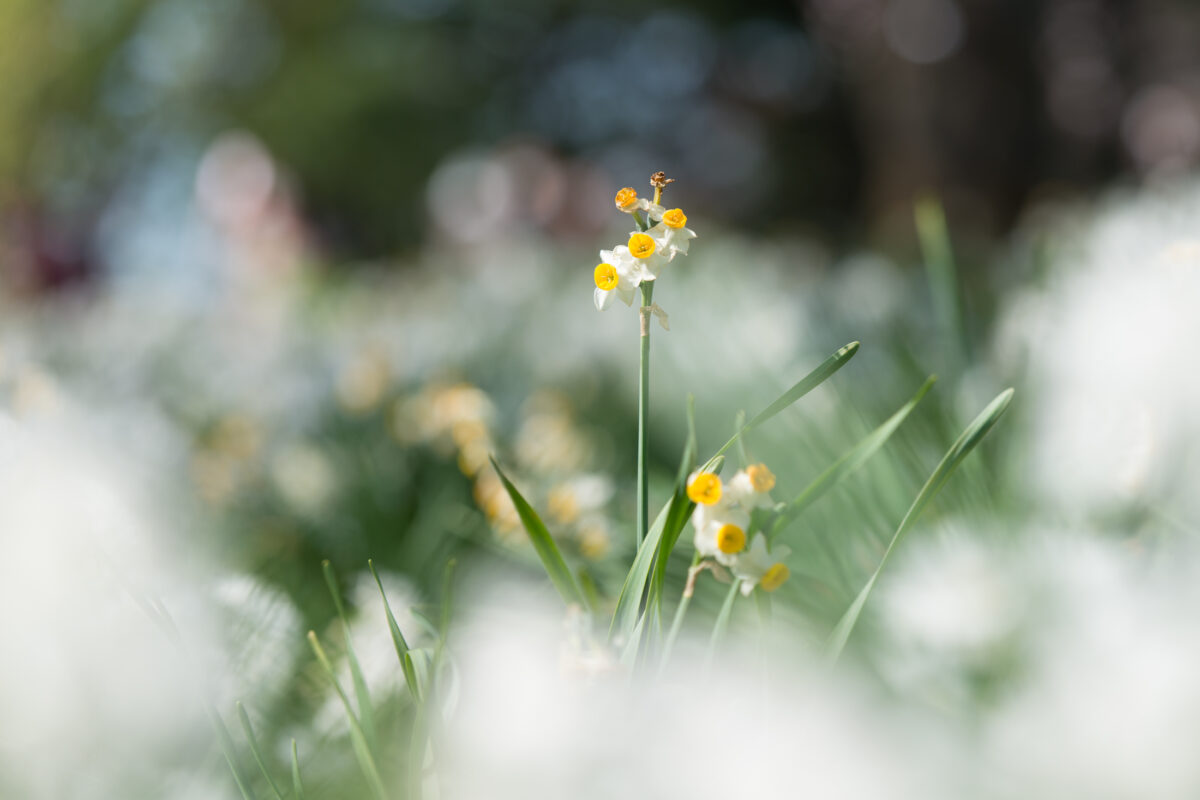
(802, 387)
(961, 448)
(297, 784)
(361, 694)
(256, 750)
(560, 574)
(358, 739)
(398, 640)
(848, 463)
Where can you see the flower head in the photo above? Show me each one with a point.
(617, 275)
(757, 566)
(627, 200)
(704, 488)
(751, 486)
(720, 532)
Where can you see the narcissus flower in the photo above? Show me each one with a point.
(648, 249)
(720, 532)
(627, 200)
(757, 566)
(670, 234)
(704, 488)
(617, 275)
(751, 487)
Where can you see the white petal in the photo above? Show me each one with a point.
(625, 293)
(602, 298)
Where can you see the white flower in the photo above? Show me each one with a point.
(617, 275)
(670, 235)
(720, 532)
(647, 253)
(751, 487)
(758, 565)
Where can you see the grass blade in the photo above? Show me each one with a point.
(848, 463)
(361, 694)
(398, 640)
(629, 601)
(961, 448)
(802, 387)
(227, 749)
(560, 574)
(297, 784)
(722, 622)
(934, 238)
(255, 750)
(358, 739)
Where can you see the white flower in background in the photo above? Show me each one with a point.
(751, 487)
(670, 234)
(617, 275)
(578, 497)
(720, 532)
(758, 566)
(722, 515)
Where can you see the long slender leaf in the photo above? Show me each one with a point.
(358, 739)
(366, 713)
(297, 783)
(398, 640)
(961, 448)
(848, 463)
(802, 387)
(255, 750)
(722, 622)
(227, 749)
(672, 518)
(630, 599)
(560, 574)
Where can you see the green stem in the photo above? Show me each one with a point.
(677, 623)
(643, 498)
(722, 620)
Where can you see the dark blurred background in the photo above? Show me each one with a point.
(825, 117)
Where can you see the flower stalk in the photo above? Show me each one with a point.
(643, 478)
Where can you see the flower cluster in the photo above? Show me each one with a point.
(722, 518)
(649, 249)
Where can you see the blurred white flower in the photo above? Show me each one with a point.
(758, 566)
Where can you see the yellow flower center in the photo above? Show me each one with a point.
(775, 577)
(761, 478)
(641, 245)
(675, 218)
(704, 489)
(625, 198)
(606, 277)
(731, 539)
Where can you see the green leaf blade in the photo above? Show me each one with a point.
(848, 463)
(398, 640)
(962, 447)
(802, 387)
(361, 694)
(560, 574)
